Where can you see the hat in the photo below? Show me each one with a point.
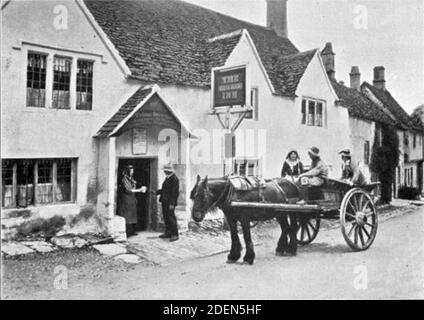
(130, 166)
(345, 153)
(168, 167)
(314, 151)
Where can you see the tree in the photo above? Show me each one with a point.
(385, 158)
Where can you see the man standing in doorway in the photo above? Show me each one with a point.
(168, 197)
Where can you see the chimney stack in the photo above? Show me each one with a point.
(327, 56)
(379, 80)
(276, 17)
(355, 78)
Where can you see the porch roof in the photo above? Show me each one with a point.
(130, 107)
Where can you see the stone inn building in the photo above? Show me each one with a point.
(92, 86)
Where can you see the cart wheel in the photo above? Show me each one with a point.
(358, 219)
(307, 229)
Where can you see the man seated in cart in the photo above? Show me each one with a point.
(314, 177)
(351, 173)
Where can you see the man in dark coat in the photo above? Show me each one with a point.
(168, 197)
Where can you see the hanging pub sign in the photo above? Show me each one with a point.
(229, 87)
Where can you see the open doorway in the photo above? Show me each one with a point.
(143, 176)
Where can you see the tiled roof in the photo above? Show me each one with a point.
(123, 112)
(393, 106)
(359, 105)
(166, 41)
(218, 50)
(288, 70)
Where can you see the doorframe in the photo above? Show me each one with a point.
(154, 176)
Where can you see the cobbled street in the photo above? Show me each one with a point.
(325, 269)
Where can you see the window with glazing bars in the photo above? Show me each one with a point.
(312, 113)
(64, 176)
(84, 85)
(45, 181)
(61, 82)
(7, 183)
(36, 80)
(39, 181)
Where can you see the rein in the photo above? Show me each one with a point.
(221, 197)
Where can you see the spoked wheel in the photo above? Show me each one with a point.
(358, 219)
(308, 228)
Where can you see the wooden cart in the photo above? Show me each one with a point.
(353, 206)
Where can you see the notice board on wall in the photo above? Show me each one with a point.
(139, 141)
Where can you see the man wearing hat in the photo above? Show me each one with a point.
(350, 172)
(315, 176)
(168, 197)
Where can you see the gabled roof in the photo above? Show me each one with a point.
(392, 106)
(166, 41)
(130, 107)
(359, 105)
(288, 70)
(218, 49)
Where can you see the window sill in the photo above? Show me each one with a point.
(53, 110)
(46, 205)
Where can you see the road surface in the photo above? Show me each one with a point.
(392, 268)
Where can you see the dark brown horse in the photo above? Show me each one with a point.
(210, 194)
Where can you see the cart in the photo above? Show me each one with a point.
(353, 206)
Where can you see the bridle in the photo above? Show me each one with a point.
(221, 197)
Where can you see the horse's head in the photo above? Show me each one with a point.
(202, 199)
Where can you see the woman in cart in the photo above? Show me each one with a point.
(292, 166)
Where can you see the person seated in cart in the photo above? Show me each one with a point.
(315, 176)
(351, 173)
(292, 166)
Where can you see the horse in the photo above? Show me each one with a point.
(210, 194)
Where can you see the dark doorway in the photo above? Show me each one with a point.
(142, 173)
(420, 176)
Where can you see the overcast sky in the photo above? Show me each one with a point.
(365, 33)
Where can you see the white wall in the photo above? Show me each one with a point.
(45, 132)
(361, 131)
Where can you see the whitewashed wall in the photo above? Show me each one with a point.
(45, 132)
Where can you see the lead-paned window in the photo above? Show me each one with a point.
(313, 113)
(36, 80)
(7, 184)
(45, 181)
(84, 85)
(61, 82)
(64, 177)
(25, 182)
(38, 181)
